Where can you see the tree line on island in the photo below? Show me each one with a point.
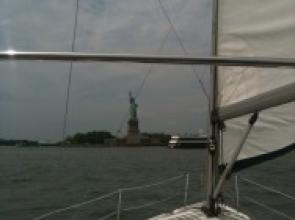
(94, 138)
(108, 139)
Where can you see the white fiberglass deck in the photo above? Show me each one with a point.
(193, 212)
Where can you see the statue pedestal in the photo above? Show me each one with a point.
(133, 135)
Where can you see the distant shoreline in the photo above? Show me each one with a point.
(84, 146)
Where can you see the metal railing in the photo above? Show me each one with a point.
(239, 196)
(119, 194)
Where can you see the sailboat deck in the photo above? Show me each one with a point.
(193, 212)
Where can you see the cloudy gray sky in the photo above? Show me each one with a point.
(32, 94)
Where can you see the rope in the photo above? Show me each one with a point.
(269, 208)
(65, 119)
(152, 184)
(77, 205)
(163, 9)
(149, 204)
(268, 188)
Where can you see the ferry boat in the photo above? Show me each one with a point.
(188, 142)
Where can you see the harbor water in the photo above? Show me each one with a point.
(35, 181)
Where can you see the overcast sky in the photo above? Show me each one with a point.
(32, 94)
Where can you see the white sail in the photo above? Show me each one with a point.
(261, 28)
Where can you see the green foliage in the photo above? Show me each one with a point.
(4, 142)
(93, 137)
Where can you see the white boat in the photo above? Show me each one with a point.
(246, 34)
(194, 211)
(187, 142)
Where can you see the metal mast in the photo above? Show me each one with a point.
(213, 147)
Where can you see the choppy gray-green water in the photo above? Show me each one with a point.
(34, 181)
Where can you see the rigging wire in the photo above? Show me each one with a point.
(161, 47)
(148, 73)
(69, 83)
(165, 12)
(178, 38)
(67, 101)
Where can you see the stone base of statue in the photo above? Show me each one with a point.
(133, 135)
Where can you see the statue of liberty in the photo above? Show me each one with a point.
(133, 135)
(133, 107)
